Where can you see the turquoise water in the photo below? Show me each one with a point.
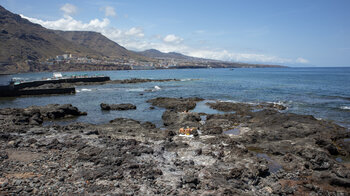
(322, 92)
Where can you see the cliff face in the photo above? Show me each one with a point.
(22, 40)
(24, 44)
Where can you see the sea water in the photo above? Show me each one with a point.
(322, 92)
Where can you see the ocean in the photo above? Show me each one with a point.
(321, 92)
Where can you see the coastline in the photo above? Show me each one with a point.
(245, 151)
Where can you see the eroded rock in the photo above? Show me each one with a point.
(123, 106)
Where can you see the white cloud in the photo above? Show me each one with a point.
(171, 38)
(136, 31)
(301, 60)
(68, 23)
(135, 39)
(68, 9)
(239, 57)
(109, 11)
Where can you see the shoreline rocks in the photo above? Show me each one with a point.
(177, 104)
(273, 154)
(35, 115)
(243, 108)
(122, 106)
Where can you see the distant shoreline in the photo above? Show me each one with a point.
(48, 71)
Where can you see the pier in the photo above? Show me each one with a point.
(29, 88)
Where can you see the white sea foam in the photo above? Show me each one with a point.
(278, 103)
(85, 90)
(186, 79)
(155, 88)
(136, 90)
(231, 101)
(345, 107)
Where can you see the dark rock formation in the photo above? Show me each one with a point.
(243, 108)
(273, 154)
(177, 104)
(123, 106)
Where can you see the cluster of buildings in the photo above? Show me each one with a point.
(165, 63)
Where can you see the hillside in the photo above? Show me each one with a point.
(153, 53)
(22, 40)
(26, 46)
(183, 61)
(98, 42)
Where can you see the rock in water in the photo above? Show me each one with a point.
(123, 106)
(177, 104)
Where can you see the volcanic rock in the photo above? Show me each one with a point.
(123, 106)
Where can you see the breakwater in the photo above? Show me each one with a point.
(33, 87)
(60, 81)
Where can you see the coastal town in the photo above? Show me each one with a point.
(135, 64)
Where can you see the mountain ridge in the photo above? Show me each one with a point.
(99, 42)
(24, 41)
(24, 45)
(29, 47)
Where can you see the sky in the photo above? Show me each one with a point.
(285, 32)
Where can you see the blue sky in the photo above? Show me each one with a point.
(294, 33)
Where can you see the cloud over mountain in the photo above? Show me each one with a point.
(171, 38)
(135, 38)
(68, 9)
(109, 11)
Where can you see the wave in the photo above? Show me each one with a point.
(155, 88)
(231, 101)
(83, 90)
(186, 79)
(345, 107)
(136, 90)
(283, 103)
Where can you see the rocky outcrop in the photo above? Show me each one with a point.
(230, 107)
(273, 154)
(243, 108)
(180, 119)
(56, 111)
(35, 115)
(176, 104)
(123, 106)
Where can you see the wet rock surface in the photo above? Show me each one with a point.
(176, 104)
(35, 115)
(122, 106)
(273, 154)
(243, 108)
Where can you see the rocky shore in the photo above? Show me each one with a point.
(65, 86)
(72, 85)
(249, 150)
(122, 106)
